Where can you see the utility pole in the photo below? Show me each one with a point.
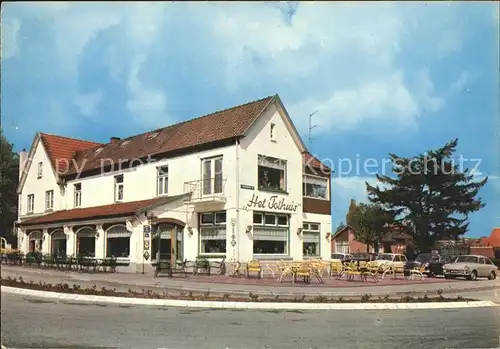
(311, 126)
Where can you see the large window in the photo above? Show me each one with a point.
(270, 233)
(162, 181)
(213, 233)
(31, 203)
(311, 239)
(49, 200)
(119, 188)
(212, 175)
(85, 243)
(271, 173)
(78, 195)
(58, 243)
(315, 187)
(118, 242)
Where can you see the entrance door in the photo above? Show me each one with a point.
(167, 242)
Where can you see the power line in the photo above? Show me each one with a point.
(311, 126)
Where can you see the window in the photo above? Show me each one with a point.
(270, 233)
(49, 200)
(272, 132)
(315, 187)
(213, 233)
(31, 203)
(311, 239)
(78, 195)
(119, 188)
(40, 170)
(162, 186)
(212, 175)
(118, 242)
(488, 261)
(271, 173)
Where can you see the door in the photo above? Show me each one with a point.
(481, 267)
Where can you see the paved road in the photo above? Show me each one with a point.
(36, 323)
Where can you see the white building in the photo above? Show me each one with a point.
(238, 183)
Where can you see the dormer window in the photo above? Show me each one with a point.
(119, 188)
(40, 170)
(272, 132)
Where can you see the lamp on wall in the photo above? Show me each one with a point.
(97, 234)
(328, 235)
(299, 231)
(190, 229)
(249, 228)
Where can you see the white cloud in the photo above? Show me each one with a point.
(9, 45)
(88, 103)
(348, 51)
(146, 104)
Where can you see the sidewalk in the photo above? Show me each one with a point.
(218, 284)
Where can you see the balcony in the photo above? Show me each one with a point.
(209, 190)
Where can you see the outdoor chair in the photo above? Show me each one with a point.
(254, 267)
(417, 271)
(285, 269)
(304, 271)
(220, 266)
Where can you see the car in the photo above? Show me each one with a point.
(338, 257)
(363, 257)
(471, 267)
(432, 262)
(396, 260)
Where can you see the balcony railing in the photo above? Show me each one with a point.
(206, 190)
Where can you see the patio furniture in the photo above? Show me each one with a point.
(419, 271)
(254, 267)
(201, 266)
(166, 266)
(220, 266)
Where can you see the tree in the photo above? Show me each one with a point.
(370, 223)
(9, 176)
(430, 195)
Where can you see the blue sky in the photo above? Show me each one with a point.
(384, 77)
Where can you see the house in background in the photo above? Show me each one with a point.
(344, 241)
(235, 184)
(487, 246)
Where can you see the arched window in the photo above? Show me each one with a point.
(58, 243)
(35, 241)
(118, 242)
(85, 243)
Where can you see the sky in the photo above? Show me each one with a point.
(381, 77)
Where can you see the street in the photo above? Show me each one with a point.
(37, 323)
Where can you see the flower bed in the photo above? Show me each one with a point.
(181, 295)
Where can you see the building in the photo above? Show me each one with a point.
(236, 184)
(487, 246)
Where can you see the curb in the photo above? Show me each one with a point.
(243, 305)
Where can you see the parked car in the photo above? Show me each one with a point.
(339, 257)
(394, 259)
(433, 263)
(471, 267)
(363, 257)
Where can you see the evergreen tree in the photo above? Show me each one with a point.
(430, 195)
(9, 175)
(339, 227)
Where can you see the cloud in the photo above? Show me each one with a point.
(344, 59)
(88, 103)
(10, 28)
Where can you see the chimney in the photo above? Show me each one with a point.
(114, 140)
(23, 156)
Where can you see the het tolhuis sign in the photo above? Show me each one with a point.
(272, 203)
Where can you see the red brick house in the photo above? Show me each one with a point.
(487, 246)
(344, 241)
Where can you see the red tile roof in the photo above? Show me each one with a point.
(96, 212)
(218, 126)
(311, 160)
(61, 150)
(495, 237)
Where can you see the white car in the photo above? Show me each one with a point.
(395, 260)
(339, 257)
(471, 267)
